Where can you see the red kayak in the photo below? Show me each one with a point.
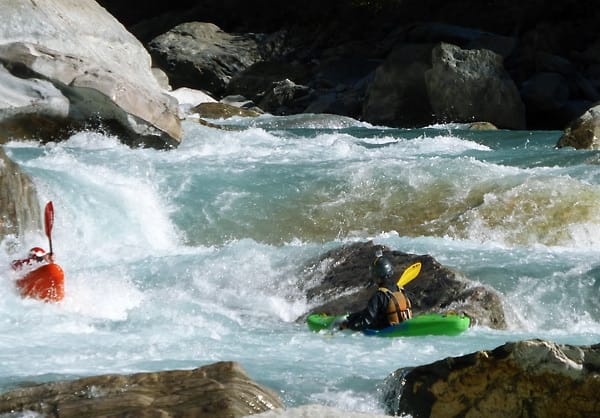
(46, 283)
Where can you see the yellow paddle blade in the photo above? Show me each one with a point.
(409, 274)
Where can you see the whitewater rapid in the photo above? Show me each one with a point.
(180, 258)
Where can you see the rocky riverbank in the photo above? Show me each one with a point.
(528, 378)
(69, 65)
(405, 64)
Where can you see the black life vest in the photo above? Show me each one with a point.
(399, 307)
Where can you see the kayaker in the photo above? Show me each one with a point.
(36, 255)
(388, 306)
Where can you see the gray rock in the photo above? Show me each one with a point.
(220, 390)
(583, 132)
(19, 204)
(528, 378)
(285, 97)
(221, 111)
(101, 73)
(467, 85)
(201, 56)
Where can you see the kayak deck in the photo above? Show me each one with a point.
(45, 283)
(420, 325)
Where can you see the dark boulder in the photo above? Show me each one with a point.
(200, 55)
(337, 283)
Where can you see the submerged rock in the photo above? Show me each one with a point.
(519, 379)
(219, 390)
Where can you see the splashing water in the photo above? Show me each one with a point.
(176, 259)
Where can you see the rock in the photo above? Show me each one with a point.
(65, 80)
(338, 43)
(201, 56)
(532, 378)
(221, 111)
(189, 98)
(32, 108)
(583, 132)
(255, 80)
(556, 92)
(240, 101)
(162, 78)
(285, 97)
(336, 283)
(466, 85)
(219, 390)
(482, 126)
(398, 94)
(19, 204)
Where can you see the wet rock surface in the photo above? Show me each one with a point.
(532, 378)
(218, 390)
(337, 283)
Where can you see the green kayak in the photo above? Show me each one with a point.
(424, 324)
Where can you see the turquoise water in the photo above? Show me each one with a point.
(176, 259)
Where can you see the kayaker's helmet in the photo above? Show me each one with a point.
(37, 252)
(382, 268)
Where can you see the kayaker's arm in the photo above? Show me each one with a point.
(368, 317)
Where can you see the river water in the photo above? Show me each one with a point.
(177, 259)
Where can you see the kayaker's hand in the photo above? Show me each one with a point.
(343, 325)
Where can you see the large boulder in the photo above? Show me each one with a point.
(220, 390)
(200, 55)
(521, 379)
(472, 85)
(337, 283)
(68, 63)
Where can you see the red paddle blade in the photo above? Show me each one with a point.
(49, 219)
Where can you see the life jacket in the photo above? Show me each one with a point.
(399, 307)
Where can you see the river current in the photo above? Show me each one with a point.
(177, 259)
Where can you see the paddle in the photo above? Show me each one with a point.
(48, 222)
(409, 274)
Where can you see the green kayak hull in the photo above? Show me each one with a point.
(424, 324)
